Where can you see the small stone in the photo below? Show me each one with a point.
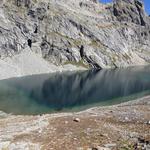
(139, 147)
(76, 120)
(148, 122)
(98, 148)
(110, 145)
(75, 139)
(4, 145)
(147, 142)
(144, 147)
(141, 140)
(40, 131)
(102, 148)
(80, 148)
(66, 122)
(126, 118)
(94, 148)
(148, 147)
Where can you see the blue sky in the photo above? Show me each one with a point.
(146, 2)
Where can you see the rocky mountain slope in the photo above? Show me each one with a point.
(38, 34)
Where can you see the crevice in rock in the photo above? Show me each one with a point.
(31, 13)
(27, 3)
(139, 7)
(18, 3)
(36, 30)
(92, 63)
(82, 51)
(85, 31)
(142, 34)
(30, 43)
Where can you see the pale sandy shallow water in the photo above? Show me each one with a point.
(73, 91)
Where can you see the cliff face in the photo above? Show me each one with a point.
(83, 32)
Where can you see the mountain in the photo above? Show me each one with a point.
(42, 36)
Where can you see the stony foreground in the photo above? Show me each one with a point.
(121, 127)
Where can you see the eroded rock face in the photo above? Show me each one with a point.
(130, 11)
(81, 31)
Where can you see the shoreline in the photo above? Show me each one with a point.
(138, 101)
(17, 67)
(114, 127)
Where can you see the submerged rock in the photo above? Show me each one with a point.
(3, 115)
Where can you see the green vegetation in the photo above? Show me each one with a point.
(94, 44)
(126, 145)
(127, 57)
(81, 63)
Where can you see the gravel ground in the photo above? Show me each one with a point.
(120, 127)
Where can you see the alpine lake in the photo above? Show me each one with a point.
(73, 91)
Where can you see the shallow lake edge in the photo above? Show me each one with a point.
(139, 101)
(71, 68)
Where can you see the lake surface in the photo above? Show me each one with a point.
(73, 91)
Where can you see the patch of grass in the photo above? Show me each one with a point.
(94, 44)
(74, 42)
(102, 26)
(81, 63)
(127, 57)
(78, 42)
(126, 145)
(99, 45)
(59, 34)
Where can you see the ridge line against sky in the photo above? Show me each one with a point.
(146, 4)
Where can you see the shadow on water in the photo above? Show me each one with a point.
(72, 91)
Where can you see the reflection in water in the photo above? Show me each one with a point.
(55, 92)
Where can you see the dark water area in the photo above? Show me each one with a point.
(72, 91)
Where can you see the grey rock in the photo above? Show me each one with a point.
(110, 145)
(85, 32)
(99, 148)
(76, 120)
(148, 122)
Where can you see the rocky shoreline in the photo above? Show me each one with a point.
(118, 127)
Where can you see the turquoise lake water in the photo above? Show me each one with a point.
(73, 91)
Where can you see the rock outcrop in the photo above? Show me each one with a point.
(83, 32)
